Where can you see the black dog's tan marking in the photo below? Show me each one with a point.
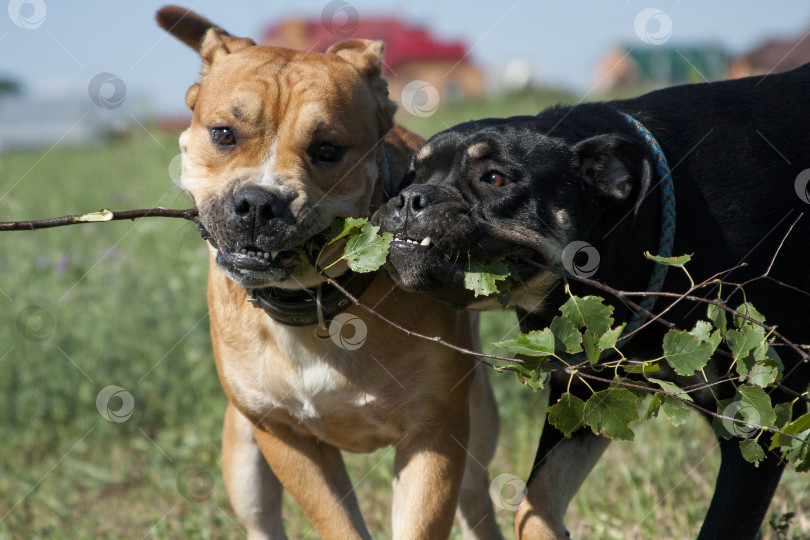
(527, 186)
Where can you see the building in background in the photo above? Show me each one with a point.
(625, 68)
(411, 53)
(773, 56)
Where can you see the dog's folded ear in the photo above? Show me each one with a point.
(364, 54)
(613, 166)
(367, 58)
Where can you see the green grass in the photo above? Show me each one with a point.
(124, 304)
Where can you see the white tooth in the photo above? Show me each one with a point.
(251, 253)
(425, 241)
(265, 255)
(243, 251)
(274, 254)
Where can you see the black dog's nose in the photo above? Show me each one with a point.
(415, 198)
(254, 205)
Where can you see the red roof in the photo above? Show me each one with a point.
(403, 43)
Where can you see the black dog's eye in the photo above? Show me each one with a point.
(494, 178)
(223, 136)
(326, 152)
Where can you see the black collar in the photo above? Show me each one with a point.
(301, 307)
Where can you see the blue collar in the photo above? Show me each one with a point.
(667, 235)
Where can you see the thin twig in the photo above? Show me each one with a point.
(95, 217)
(435, 339)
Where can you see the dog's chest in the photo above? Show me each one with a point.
(313, 386)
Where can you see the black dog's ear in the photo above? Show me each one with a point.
(613, 166)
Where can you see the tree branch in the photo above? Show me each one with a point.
(95, 217)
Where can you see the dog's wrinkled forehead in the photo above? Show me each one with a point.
(514, 146)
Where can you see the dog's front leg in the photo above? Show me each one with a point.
(559, 469)
(254, 491)
(313, 472)
(428, 471)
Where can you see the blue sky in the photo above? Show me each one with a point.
(72, 40)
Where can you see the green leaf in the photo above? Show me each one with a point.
(676, 410)
(802, 423)
(567, 338)
(762, 412)
(589, 312)
(654, 406)
(535, 343)
(609, 338)
(669, 261)
(686, 353)
(349, 225)
(480, 278)
(366, 252)
(752, 451)
(717, 316)
(742, 341)
(748, 310)
(592, 350)
(535, 382)
(784, 411)
(671, 387)
(567, 414)
(609, 412)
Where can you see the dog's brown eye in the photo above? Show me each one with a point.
(495, 178)
(223, 136)
(326, 152)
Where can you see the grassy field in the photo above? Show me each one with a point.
(123, 304)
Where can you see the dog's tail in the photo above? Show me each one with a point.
(185, 25)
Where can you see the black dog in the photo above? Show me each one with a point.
(528, 186)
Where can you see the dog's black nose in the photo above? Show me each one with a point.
(254, 205)
(416, 198)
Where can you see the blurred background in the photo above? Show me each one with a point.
(110, 408)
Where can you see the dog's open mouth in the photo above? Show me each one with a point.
(428, 250)
(253, 259)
